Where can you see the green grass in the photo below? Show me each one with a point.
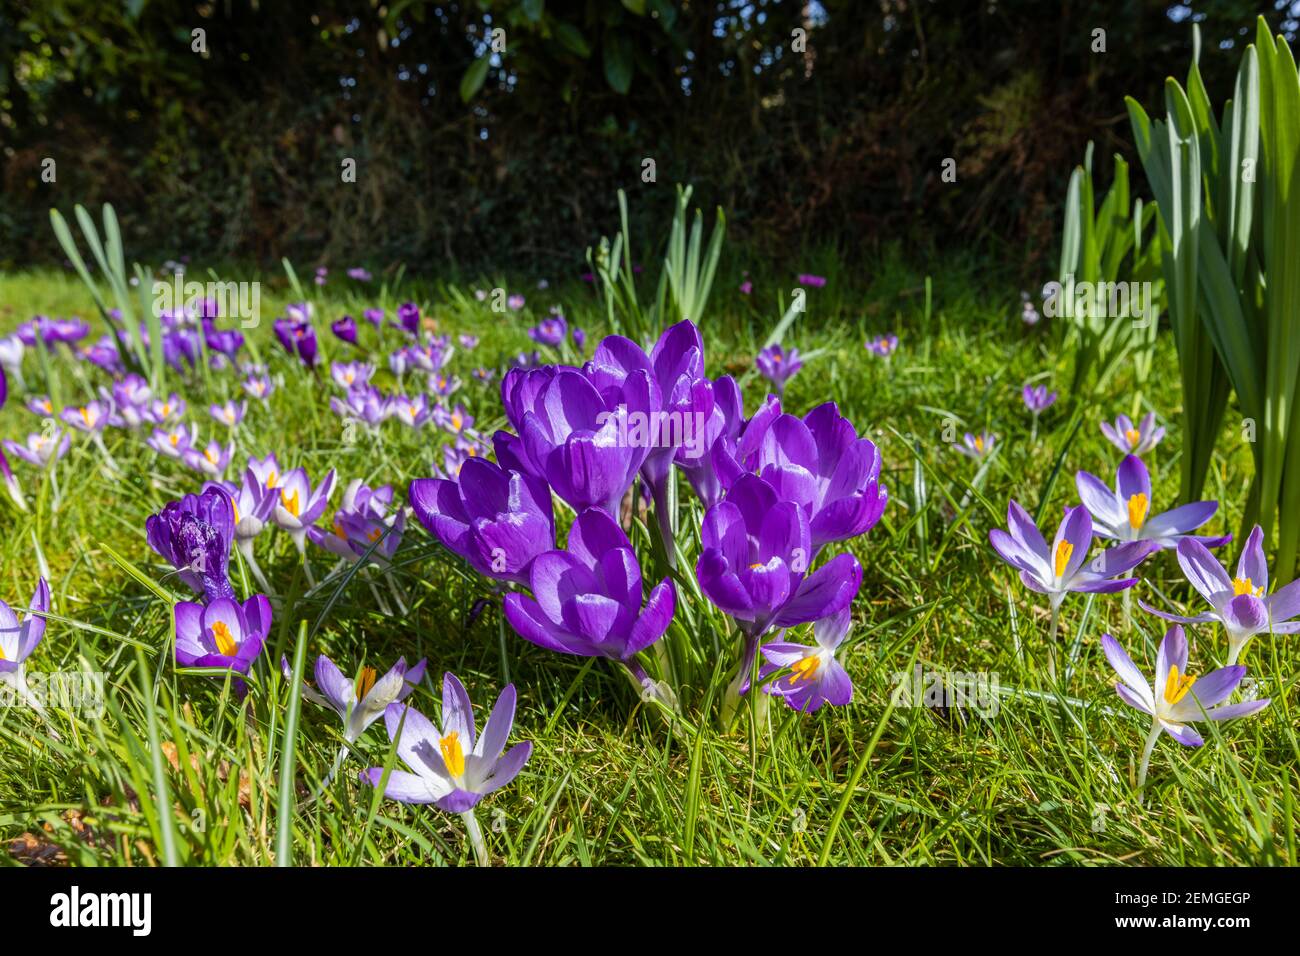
(177, 768)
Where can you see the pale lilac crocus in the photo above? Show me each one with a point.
(298, 507)
(1175, 699)
(163, 411)
(451, 766)
(40, 405)
(173, 442)
(1037, 399)
(455, 420)
(1133, 439)
(815, 677)
(90, 418)
(1241, 603)
(778, 366)
(18, 639)
(211, 460)
(259, 386)
(883, 346)
(977, 446)
(11, 358)
(1064, 567)
(411, 412)
(229, 413)
(808, 279)
(41, 448)
(1124, 514)
(361, 701)
(347, 374)
(467, 342)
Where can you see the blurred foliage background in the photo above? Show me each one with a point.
(468, 155)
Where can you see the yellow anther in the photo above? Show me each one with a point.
(1245, 586)
(1063, 552)
(1134, 436)
(804, 669)
(225, 640)
(290, 502)
(365, 681)
(452, 755)
(1176, 687)
(1137, 510)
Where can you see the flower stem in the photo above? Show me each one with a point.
(1051, 641)
(1146, 755)
(476, 838)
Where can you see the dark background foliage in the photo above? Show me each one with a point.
(237, 152)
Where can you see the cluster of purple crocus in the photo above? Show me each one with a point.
(194, 536)
(776, 490)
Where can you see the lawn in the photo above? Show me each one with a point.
(1031, 771)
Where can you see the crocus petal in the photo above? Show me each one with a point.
(1203, 571)
(1128, 672)
(1182, 733)
(1243, 709)
(497, 729)
(829, 590)
(457, 711)
(1252, 563)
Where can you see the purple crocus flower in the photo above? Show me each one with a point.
(1242, 603)
(778, 366)
(550, 331)
(408, 318)
(212, 460)
(451, 766)
(18, 639)
(808, 279)
(229, 413)
(104, 354)
(300, 505)
(259, 386)
(194, 535)
(815, 677)
(40, 449)
(1060, 570)
(515, 302)
(579, 339)
(882, 345)
(71, 330)
(225, 342)
(348, 374)
(483, 374)
(90, 418)
(753, 566)
(976, 446)
(359, 274)
(252, 503)
(819, 463)
(298, 337)
(587, 599)
(412, 412)
(1037, 398)
(495, 518)
(173, 442)
(161, 411)
(40, 405)
(455, 420)
(361, 527)
(465, 448)
(345, 329)
(1175, 699)
(568, 434)
(224, 634)
(360, 702)
(1133, 440)
(322, 275)
(374, 316)
(365, 404)
(1125, 513)
(467, 342)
